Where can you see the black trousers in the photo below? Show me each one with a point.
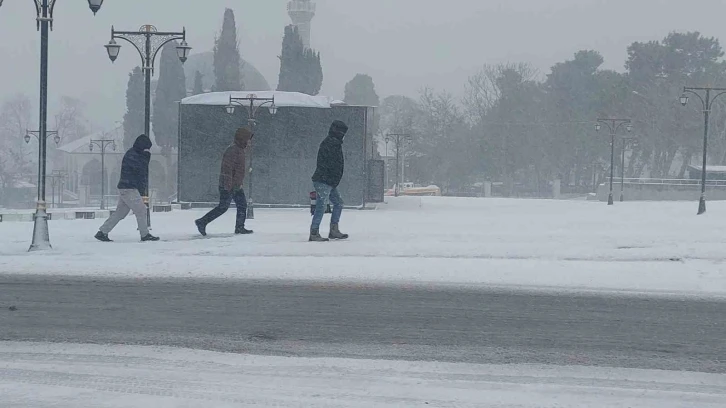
(225, 199)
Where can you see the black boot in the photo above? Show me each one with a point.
(315, 236)
(335, 233)
(149, 237)
(102, 237)
(242, 231)
(202, 227)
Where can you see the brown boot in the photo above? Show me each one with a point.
(315, 237)
(335, 233)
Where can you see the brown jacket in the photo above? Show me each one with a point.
(233, 171)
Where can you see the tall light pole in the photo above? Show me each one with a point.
(148, 41)
(44, 23)
(707, 103)
(252, 111)
(613, 125)
(103, 144)
(626, 142)
(398, 140)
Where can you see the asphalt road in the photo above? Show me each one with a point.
(305, 319)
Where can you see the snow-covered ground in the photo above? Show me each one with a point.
(75, 376)
(638, 246)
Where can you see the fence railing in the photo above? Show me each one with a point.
(673, 182)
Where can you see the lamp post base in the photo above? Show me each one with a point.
(610, 199)
(41, 236)
(622, 198)
(702, 205)
(250, 211)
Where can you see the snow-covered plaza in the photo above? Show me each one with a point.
(657, 247)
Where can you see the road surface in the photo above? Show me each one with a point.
(415, 323)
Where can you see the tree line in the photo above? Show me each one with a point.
(519, 127)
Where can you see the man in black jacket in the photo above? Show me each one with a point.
(326, 179)
(131, 187)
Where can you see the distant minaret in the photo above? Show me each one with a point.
(302, 12)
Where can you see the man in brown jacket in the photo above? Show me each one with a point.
(230, 184)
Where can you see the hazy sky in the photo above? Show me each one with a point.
(402, 44)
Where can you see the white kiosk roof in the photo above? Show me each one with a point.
(282, 99)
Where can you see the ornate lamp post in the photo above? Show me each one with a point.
(626, 142)
(44, 23)
(707, 103)
(148, 41)
(103, 144)
(252, 111)
(36, 133)
(613, 125)
(398, 140)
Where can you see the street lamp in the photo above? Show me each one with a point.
(626, 142)
(36, 133)
(398, 140)
(103, 144)
(147, 41)
(44, 23)
(613, 125)
(252, 112)
(56, 178)
(707, 103)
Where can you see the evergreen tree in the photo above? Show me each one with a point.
(361, 91)
(300, 68)
(198, 83)
(227, 65)
(170, 89)
(135, 105)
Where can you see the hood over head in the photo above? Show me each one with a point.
(242, 137)
(338, 130)
(142, 143)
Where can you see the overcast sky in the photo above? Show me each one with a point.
(402, 44)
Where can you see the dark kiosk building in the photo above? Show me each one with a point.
(283, 150)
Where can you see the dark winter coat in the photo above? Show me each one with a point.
(135, 166)
(330, 156)
(232, 173)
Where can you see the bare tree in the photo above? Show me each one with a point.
(15, 156)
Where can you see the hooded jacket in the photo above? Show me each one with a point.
(233, 171)
(331, 163)
(135, 166)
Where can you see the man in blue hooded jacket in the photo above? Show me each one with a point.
(132, 185)
(329, 172)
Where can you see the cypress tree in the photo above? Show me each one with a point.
(300, 68)
(134, 116)
(227, 66)
(170, 89)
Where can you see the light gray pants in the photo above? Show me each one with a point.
(128, 200)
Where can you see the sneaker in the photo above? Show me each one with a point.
(335, 233)
(102, 237)
(315, 237)
(149, 237)
(243, 231)
(202, 227)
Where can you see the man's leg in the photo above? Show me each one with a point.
(225, 199)
(136, 203)
(122, 210)
(337, 202)
(241, 202)
(323, 192)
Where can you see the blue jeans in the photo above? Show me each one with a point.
(324, 193)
